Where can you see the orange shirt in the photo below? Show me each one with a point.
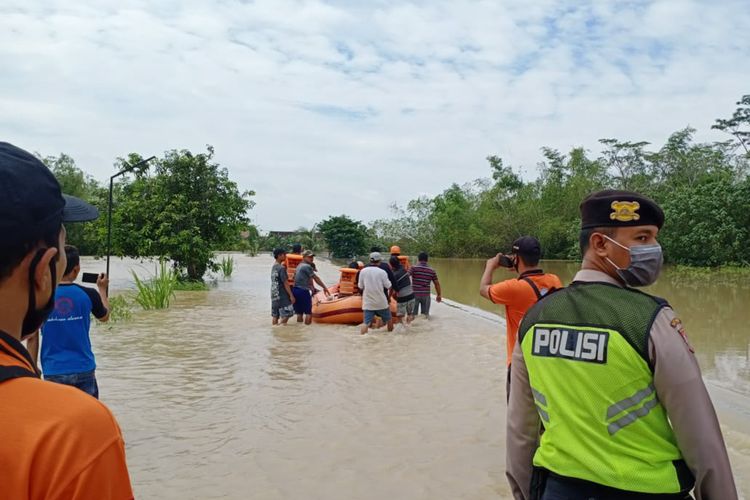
(518, 296)
(56, 442)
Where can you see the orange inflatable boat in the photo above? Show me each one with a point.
(345, 305)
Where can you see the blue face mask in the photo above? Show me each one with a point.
(645, 264)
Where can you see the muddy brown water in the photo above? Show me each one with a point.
(216, 403)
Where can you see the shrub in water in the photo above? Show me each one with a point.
(227, 266)
(157, 292)
(119, 308)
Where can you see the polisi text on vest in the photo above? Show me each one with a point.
(570, 343)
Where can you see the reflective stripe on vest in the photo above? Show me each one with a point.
(540, 401)
(630, 402)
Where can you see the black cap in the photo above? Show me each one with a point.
(527, 246)
(612, 208)
(277, 252)
(30, 199)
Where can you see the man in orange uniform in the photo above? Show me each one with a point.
(518, 294)
(56, 442)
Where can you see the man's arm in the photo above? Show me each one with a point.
(102, 283)
(680, 388)
(438, 291)
(486, 281)
(32, 345)
(522, 428)
(388, 282)
(289, 291)
(320, 282)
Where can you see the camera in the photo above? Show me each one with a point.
(506, 261)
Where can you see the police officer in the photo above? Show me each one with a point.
(608, 372)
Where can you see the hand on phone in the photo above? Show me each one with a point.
(505, 261)
(494, 262)
(102, 281)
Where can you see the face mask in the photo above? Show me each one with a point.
(645, 264)
(36, 317)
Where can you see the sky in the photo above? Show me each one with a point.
(346, 107)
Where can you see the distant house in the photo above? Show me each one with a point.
(289, 234)
(282, 234)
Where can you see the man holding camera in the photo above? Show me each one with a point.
(520, 293)
(67, 357)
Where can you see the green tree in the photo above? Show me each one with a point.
(345, 238)
(310, 238)
(184, 208)
(75, 182)
(739, 124)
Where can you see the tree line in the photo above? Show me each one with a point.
(183, 206)
(703, 188)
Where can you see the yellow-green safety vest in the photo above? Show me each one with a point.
(586, 350)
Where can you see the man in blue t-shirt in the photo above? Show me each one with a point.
(67, 357)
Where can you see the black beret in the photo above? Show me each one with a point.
(612, 208)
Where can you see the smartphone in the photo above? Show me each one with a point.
(506, 261)
(89, 277)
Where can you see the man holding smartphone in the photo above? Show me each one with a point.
(520, 293)
(67, 357)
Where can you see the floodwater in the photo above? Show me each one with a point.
(715, 310)
(216, 403)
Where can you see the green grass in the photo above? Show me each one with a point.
(253, 248)
(227, 266)
(157, 292)
(120, 308)
(191, 286)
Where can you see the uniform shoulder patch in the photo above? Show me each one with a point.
(676, 323)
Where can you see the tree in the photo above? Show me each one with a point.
(739, 124)
(73, 181)
(184, 208)
(504, 177)
(309, 238)
(345, 237)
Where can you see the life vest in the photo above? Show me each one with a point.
(291, 263)
(347, 281)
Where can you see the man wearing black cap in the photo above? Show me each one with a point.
(520, 293)
(607, 370)
(57, 442)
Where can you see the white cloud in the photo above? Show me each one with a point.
(344, 107)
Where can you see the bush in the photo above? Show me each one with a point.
(120, 308)
(157, 292)
(227, 266)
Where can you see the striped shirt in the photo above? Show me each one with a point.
(422, 275)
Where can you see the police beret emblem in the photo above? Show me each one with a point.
(625, 211)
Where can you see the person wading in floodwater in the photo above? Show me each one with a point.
(608, 371)
(372, 280)
(301, 290)
(282, 298)
(422, 276)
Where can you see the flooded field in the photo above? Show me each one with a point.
(215, 403)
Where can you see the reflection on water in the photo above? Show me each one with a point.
(713, 308)
(215, 403)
